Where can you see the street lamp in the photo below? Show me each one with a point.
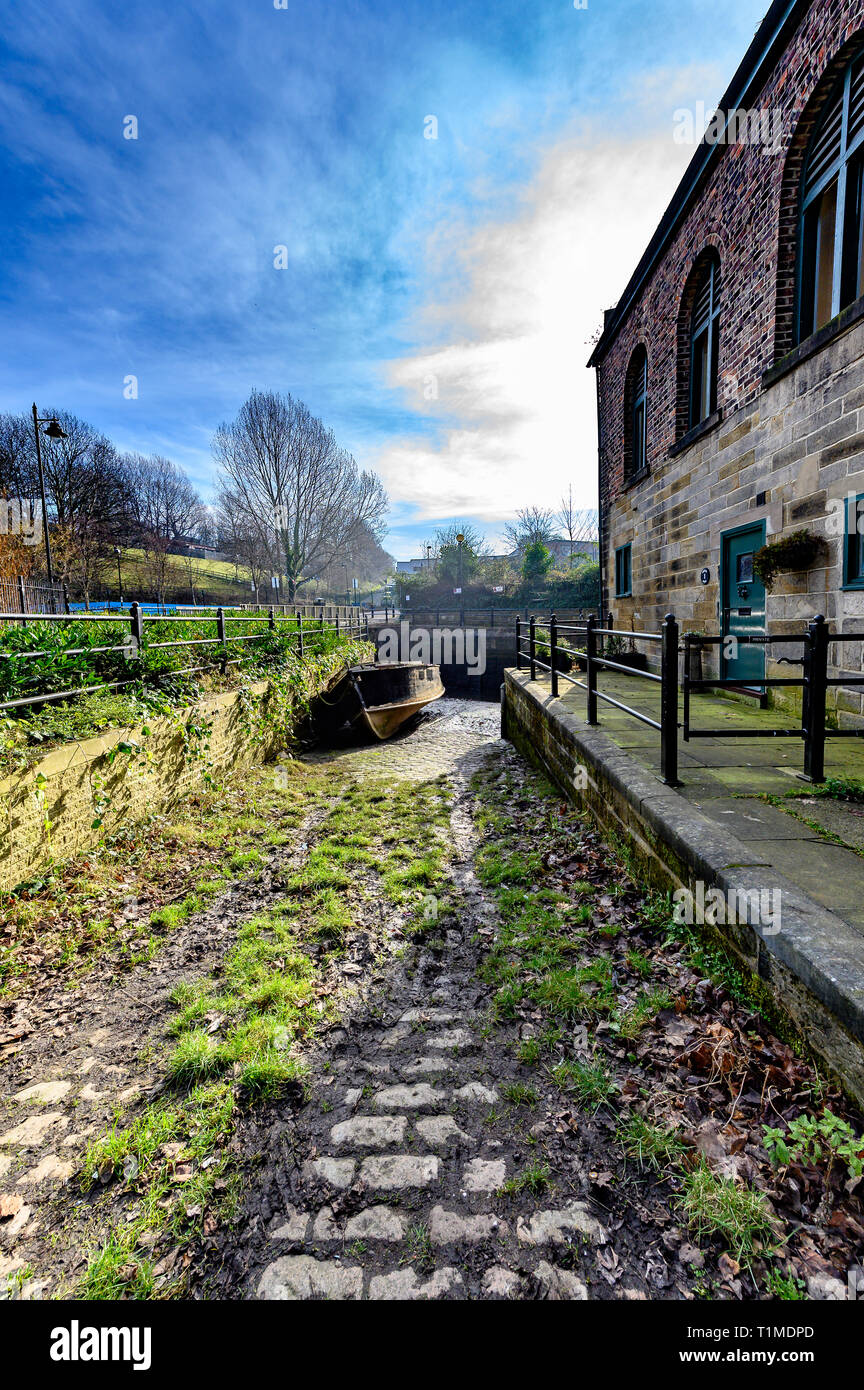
(428, 557)
(53, 431)
(460, 538)
(119, 577)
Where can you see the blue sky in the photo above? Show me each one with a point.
(438, 295)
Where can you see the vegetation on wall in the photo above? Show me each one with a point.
(800, 550)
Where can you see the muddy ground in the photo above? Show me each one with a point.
(512, 1082)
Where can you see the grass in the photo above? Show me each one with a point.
(535, 1178)
(517, 1093)
(238, 1037)
(651, 1145)
(590, 1081)
(720, 1206)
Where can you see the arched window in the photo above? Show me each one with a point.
(705, 343)
(832, 207)
(636, 414)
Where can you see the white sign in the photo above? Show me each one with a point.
(274, 580)
(497, 588)
(457, 591)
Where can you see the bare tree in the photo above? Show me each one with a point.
(288, 473)
(579, 524)
(532, 524)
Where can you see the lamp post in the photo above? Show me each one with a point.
(53, 431)
(428, 557)
(460, 538)
(119, 576)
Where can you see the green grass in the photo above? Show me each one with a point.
(719, 1206)
(517, 1093)
(651, 1145)
(590, 1081)
(535, 1178)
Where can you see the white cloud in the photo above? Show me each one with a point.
(515, 411)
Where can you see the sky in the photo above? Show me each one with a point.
(458, 188)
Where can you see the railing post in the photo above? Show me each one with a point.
(518, 643)
(610, 622)
(816, 691)
(685, 684)
(553, 652)
(669, 702)
(22, 597)
(136, 627)
(532, 647)
(220, 633)
(590, 668)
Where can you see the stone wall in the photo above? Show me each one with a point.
(784, 460)
(49, 810)
(810, 976)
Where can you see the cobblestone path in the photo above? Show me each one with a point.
(390, 1191)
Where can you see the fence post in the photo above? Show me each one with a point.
(669, 702)
(22, 597)
(685, 683)
(518, 643)
(136, 627)
(816, 691)
(553, 652)
(610, 622)
(66, 608)
(532, 647)
(590, 668)
(220, 632)
(271, 618)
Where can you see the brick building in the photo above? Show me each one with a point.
(731, 371)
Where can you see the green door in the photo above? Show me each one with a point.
(743, 605)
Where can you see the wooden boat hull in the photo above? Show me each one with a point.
(379, 698)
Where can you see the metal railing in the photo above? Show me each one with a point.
(24, 596)
(814, 682)
(305, 632)
(595, 661)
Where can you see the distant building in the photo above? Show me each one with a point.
(412, 566)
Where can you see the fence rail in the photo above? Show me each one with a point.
(555, 640)
(22, 596)
(306, 632)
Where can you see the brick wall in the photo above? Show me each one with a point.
(800, 440)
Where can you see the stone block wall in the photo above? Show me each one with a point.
(50, 808)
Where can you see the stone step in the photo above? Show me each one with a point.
(417, 1097)
(369, 1132)
(442, 1132)
(407, 1285)
(298, 1277)
(390, 1172)
(452, 1228)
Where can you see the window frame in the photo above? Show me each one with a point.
(847, 170)
(710, 332)
(620, 552)
(853, 544)
(637, 463)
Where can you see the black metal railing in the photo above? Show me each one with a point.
(305, 632)
(814, 683)
(594, 659)
(537, 639)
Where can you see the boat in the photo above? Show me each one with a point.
(377, 697)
